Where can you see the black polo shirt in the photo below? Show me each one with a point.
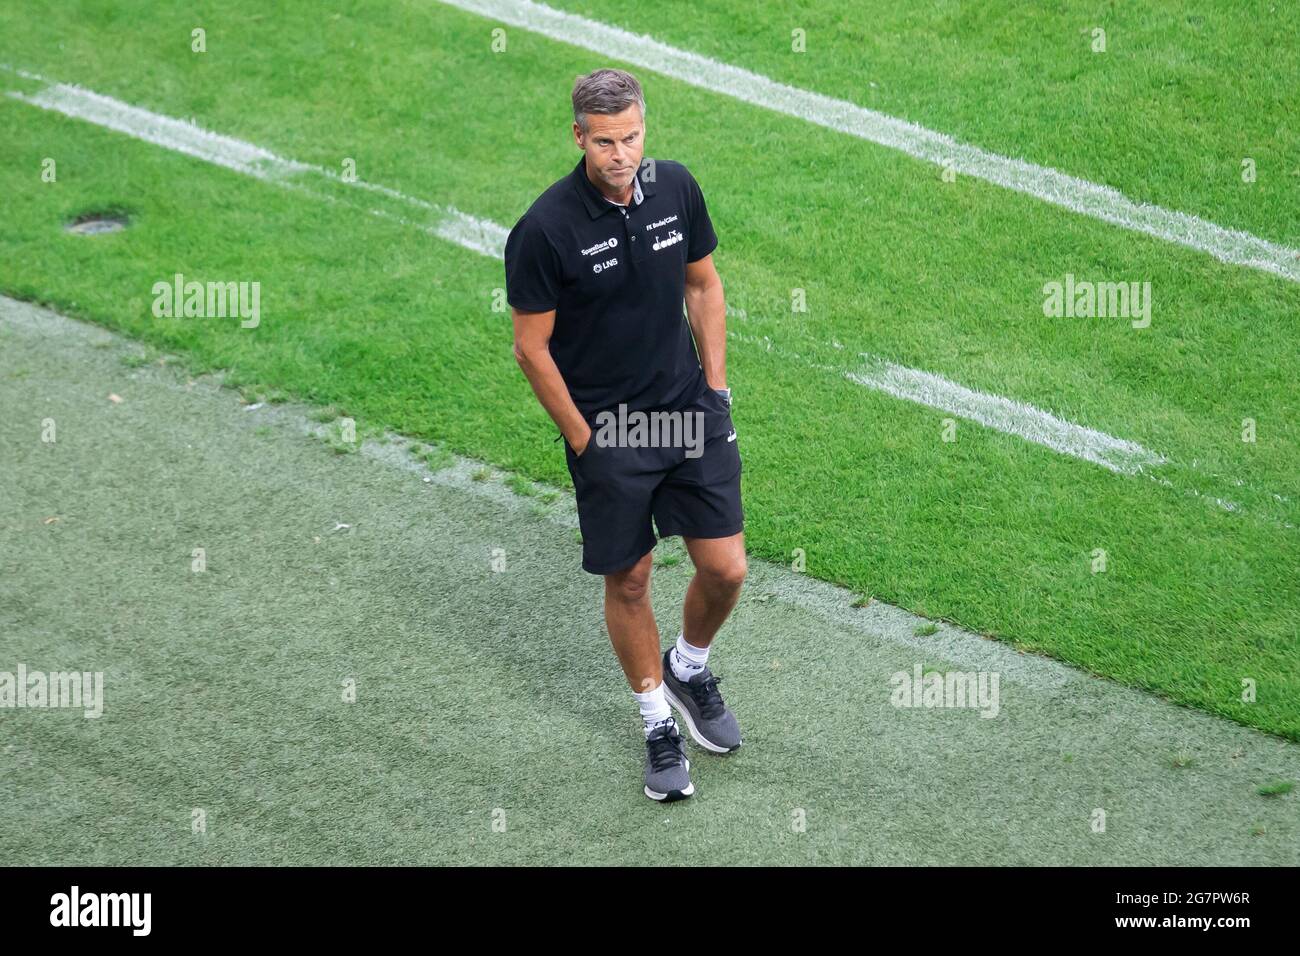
(616, 278)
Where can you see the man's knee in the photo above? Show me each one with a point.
(632, 585)
(726, 575)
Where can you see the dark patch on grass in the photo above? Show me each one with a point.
(99, 222)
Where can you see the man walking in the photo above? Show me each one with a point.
(597, 271)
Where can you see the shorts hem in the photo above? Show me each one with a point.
(724, 532)
(620, 565)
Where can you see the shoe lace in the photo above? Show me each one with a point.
(707, 696)
(666, 748)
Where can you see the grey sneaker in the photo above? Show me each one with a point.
(712, 725)
(667, 771)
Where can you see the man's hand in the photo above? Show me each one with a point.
(585, 442)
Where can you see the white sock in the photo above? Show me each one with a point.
(687, 660)
(654, 708)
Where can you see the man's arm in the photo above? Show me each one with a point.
(532, 337)
(706, 310)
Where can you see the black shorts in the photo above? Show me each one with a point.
(620, 488)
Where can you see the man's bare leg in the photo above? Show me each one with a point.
(631, 624)
(720, 569)
(689, 684)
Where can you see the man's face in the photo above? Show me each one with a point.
(614, 144)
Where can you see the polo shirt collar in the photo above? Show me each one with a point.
(595, 201)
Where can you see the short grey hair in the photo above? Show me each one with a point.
(605, 91)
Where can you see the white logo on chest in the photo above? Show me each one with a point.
(674, 237)
(610, 243)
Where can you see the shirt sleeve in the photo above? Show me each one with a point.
(703, 239)
(532, 268)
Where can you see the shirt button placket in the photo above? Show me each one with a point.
(632, 249)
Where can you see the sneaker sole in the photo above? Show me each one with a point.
(698, 737)
(672, 795)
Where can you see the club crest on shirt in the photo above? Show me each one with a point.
(673, 238)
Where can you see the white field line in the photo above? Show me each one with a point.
(1086, 198)
(488, 238)
(447, 222)
(924, 388)
(992, 411)
(1005, 415)
(177, 135)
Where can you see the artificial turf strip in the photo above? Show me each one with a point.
(396, 327)
(490, 722)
